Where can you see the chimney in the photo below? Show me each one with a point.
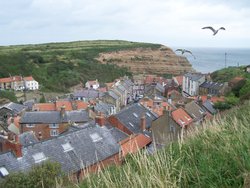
(62, 111)
(14, 146)
(100, 119)
(143, 122)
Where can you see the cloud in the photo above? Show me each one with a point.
(163, 21)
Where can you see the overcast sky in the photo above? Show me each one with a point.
(175, 23)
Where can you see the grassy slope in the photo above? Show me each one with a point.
(218, 155)
(58, 66)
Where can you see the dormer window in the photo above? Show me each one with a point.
(39, 157)
(95, 137)
(3, 172)
(135, 115)
(53, 126)
(67, 147)
(131, 124)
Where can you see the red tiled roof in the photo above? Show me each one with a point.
(28, 78)
(5, 80)
(67, 104)
(213, 99)
(92, 82)
(181, 117)
(11, 79)
(81, 105)
(133, 143)
(45, 106)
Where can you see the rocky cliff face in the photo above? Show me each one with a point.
(146, 60)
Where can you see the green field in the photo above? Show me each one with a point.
(58, 66)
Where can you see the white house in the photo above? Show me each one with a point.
(30, 83)
(191, 83)
(92, 84)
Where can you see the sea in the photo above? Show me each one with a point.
(208, 60)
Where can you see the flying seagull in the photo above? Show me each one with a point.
(212, 29)
(184, 51)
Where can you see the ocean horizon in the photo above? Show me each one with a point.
(208, 60)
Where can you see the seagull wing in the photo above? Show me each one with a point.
(223, 28)
(180, 50)
(190, 53)
(209, 27)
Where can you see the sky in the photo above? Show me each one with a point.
(174, 23)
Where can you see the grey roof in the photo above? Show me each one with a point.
(77, 116)
(116, 133)
(194, 110)
(131, 117)
(27, 138)
(156, 86)
(88, 93)
(113, 94)
(209, 107)
(87, 147)
(212, 85)
(29, 104)
(122, 88)
(103, 107)
(194, 76)
(15, 108)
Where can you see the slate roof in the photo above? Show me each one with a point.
(194, 76)
(113, 94)
(14, 107)
(212, 85)
(103, 107)
(194, 110)
(47, 117)
(209, 107)
(29, 104)
(87, 146)
(131, 117)
(27, 138)
(156, 86)
(88, 93)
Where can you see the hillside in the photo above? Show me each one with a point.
(217, 155)
(58, 66)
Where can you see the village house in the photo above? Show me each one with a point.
(208, 105)
(248, 68)
(47, 124)
(133, 119)
(113, 98)
(139, 86)
(18, 83)
(195, 111)
(178, 80)
(182, 118)
(85, 150)
(213, 88)
(30, 83)
(191, 83)
(154, 89)
(87, 95)
(92, 84)
(105, 108)
(165, 129)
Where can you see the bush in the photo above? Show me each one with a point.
(44, 175)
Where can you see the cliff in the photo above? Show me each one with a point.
(161, 60)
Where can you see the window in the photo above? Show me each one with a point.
(95, 137)
(3, 171)
(39, 157)
(30, 125)
(54, 132)
(135, 115)
(172, 129)
(67, 147)
(53, 126)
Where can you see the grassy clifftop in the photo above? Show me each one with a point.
(218, 155)
(58, 66)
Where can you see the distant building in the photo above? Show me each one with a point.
(18, 83)
(30, 83)
(213, 88)
(191, 83)
(92, 84)
(248, 68)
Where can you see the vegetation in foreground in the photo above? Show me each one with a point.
(58, 66)
(217, 155)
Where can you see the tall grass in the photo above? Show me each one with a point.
(217, 154)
